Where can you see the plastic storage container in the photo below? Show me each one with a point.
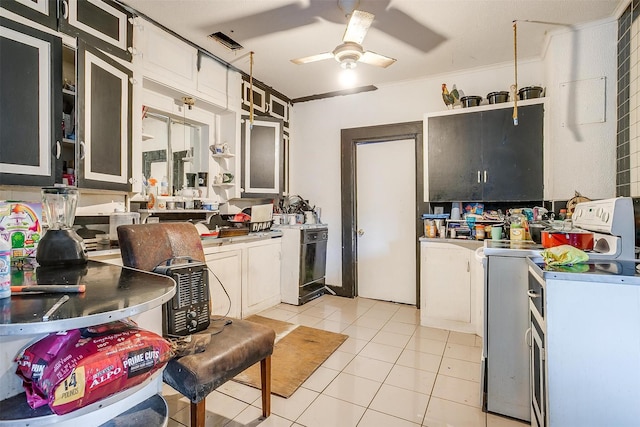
(5, 268)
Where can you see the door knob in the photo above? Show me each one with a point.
(360, 232)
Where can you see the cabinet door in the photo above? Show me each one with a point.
(446, 283)
(225, 282)
(512, 155)
(104, 24)
(104, 122)
(31, 99)
(455, 157)
(41, 11)
(262, 159)
(263, 278)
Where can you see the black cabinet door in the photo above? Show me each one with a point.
(262, 159)
(455, 157)
(102, 23)
(512, 155)
(31, 104)
(41, 11)
(104, 121)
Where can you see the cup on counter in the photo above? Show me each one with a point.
(496, 232)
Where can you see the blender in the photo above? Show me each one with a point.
(60, 244)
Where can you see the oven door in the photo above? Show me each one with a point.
(538, 370)
(313, 255)
(538, 377)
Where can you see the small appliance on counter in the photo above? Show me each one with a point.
(60, 244)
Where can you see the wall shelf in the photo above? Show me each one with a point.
(146, 213)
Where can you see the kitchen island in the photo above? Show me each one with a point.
(112, 293)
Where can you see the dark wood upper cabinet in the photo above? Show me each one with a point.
(262, 157)
(31, 103)
(104, 121)
(482, 156)
(43, 12)
(102, 23)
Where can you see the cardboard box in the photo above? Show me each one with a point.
(21, 225)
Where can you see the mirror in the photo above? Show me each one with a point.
(170, 147)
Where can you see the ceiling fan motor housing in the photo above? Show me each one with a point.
(348, 53)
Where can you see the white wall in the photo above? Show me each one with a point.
(583, 156)
(316, 125)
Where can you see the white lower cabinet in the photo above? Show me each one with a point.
(225, 270)
(262, 269)
(450, 283)
(250, 273)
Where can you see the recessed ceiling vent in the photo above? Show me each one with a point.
(226, 41)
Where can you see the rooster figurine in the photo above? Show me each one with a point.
(450, 99)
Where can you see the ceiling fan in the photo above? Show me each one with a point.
(350, 52)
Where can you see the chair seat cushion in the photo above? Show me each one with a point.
(232, 349)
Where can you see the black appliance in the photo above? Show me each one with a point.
(189, 311)
(313, 263)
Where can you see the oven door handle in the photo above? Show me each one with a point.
(533, 294)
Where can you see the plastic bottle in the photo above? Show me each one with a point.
(5, 268)
(164, 186)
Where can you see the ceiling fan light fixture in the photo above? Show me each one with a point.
(348, 64)
(347, 54)
(348, 77)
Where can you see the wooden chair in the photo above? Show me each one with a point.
(240, 344)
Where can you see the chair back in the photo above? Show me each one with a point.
(146, 246)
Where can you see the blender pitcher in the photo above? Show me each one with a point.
(60, 244)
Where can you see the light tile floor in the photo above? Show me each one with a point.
(389, 372)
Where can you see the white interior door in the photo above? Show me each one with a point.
(385, 215)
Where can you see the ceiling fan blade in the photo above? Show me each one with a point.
(358, 26)
(376, 59)
(313, 58)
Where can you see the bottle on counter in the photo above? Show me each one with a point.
(518, 225)
(164, 186)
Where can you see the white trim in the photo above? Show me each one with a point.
(41, 6)
(124, 88)
(44, 103)
(247, 160)
(121, 42)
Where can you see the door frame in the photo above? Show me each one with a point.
(350, 138)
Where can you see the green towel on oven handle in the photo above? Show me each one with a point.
(564, 255)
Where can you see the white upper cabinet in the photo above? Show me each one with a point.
(165, 58)
(219, 83)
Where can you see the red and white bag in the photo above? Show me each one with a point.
(71, 369)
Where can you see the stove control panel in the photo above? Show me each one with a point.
(610, 216)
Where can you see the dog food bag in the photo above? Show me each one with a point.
(71, 369)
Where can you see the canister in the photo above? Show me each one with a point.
(480, 232)
(517, 233)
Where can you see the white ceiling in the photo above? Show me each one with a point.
(446, 35)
